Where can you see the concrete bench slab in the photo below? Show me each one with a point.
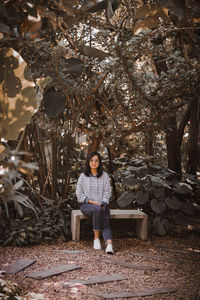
(140, 217)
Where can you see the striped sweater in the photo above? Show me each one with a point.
(93, 188)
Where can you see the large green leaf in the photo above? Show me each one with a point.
(142, 197)
(161, 226)
(173, 202)
(158, 206)
(18, 100)
(125, 199)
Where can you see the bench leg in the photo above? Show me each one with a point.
(75, 228)
(142, 228)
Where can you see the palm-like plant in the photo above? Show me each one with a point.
(12, 183)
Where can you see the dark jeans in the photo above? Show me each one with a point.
(101, 218)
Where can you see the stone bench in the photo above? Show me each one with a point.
(141, 221)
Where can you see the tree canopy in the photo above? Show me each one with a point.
(107, 68)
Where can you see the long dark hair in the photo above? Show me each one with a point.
(86, 170)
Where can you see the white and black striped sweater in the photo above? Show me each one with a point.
(93, 188)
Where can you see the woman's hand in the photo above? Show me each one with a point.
(94, 202)
(103, 205)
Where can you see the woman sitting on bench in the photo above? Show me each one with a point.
(93, 191)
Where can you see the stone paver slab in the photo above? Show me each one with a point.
(142, 293)
(53, 271)
(70, 251)
(128, 264)
(158, 257)
(19, 265)
(94, 280)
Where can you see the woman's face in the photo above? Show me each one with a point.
(94, 162)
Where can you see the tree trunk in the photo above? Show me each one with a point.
(192, 161)
(111, 172)
(149, 137)
(173, 148)
(54, 165)
(96, 139)
(184, 121)
(67, 150)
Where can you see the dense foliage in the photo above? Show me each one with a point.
(124, 73)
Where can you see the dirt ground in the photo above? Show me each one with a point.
(183, 277)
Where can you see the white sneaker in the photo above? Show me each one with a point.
(109, 249)
(97, 244)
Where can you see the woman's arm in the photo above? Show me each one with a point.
(81, 197)
(107, 189)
